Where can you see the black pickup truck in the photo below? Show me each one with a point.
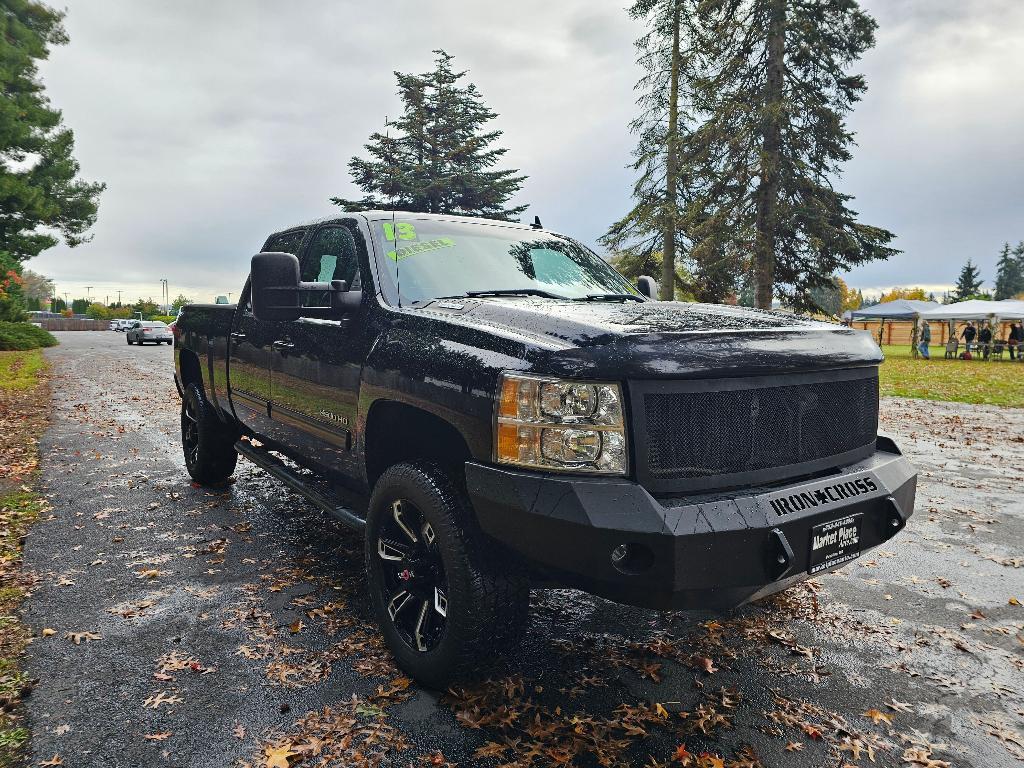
(496, 408)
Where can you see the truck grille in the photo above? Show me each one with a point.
(710, 434)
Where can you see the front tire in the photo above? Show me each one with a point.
(208, 444)
(444, 603)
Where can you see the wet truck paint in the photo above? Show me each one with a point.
(315, 388)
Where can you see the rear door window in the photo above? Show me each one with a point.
(285, 242)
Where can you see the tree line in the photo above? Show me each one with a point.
(740, 133)
(42, 199)
(1009, 282)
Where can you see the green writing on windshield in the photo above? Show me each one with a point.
(430, 245)
(406, 231)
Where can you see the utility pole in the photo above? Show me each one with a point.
(88, 299)
(119, 298)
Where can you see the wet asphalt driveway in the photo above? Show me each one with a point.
(180, 626)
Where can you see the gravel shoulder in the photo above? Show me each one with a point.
(214, 628)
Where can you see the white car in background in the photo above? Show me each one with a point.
(149, 330)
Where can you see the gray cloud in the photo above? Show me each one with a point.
(215, 123)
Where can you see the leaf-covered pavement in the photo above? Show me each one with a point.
(180, 626)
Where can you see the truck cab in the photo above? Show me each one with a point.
(494, 408)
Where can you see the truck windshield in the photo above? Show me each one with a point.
(430, 258)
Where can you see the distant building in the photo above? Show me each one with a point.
(221, 300)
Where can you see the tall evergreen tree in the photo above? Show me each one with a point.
(969, 282)
(440, 159)
(771, 89)
(705, 269)
(42, 199)
(1010, 272)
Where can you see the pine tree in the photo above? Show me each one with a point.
(969, 282)
(441, 159)
(771, 91)
(1009, 272)
(704, 268)
(43, 199)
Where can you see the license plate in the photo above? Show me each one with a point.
(834, 543)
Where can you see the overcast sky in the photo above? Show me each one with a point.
(214, 123)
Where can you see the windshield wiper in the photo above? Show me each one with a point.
(609, 297)
(516, 292)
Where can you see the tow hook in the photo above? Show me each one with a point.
(781, 562)
(893, 520)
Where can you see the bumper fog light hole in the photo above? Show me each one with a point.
(632, 559)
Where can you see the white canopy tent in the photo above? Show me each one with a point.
(976, 309)
(898, 309)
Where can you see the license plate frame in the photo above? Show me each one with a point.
(834, 543)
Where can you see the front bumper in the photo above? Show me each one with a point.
(699, 551)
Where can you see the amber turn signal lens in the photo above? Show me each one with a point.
(508, 441)
(509, 405)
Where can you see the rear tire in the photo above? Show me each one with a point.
(126, 338)
(447, 603)
(208, 444)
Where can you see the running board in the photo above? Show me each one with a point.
(274, 466)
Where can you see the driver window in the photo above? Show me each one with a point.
(332, 255)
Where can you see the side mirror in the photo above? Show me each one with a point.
(647, 286)
(275, 286)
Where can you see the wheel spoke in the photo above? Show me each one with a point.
(389, 550)
(398, 602)
(421, 624)
(397, 513)
(440, 602)
(428, 533)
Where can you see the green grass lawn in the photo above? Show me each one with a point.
(18, 370)
(997, 382)
(23, 399)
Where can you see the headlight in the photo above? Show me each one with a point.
(573, 426)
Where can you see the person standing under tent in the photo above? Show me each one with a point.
(985, 339)
(968, 335)
(926, 339)
(1016, 338)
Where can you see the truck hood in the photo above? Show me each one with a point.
(660, 339)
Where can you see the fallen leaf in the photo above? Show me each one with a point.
(277, 757)
(47, 632)
(899, 706)
(795, 746)
(682, 755)
(1014, 601)
(239, 731)
(55, 760)
(78, 637)
(157, 736)
(877, 716)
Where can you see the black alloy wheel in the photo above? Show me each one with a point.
(189, 433)
(448, 604)
(414, 586)
(207, 442)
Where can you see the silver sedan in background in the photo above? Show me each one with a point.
(149, 330)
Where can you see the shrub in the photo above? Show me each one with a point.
(24, 336)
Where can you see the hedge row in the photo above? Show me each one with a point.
(15, 336)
